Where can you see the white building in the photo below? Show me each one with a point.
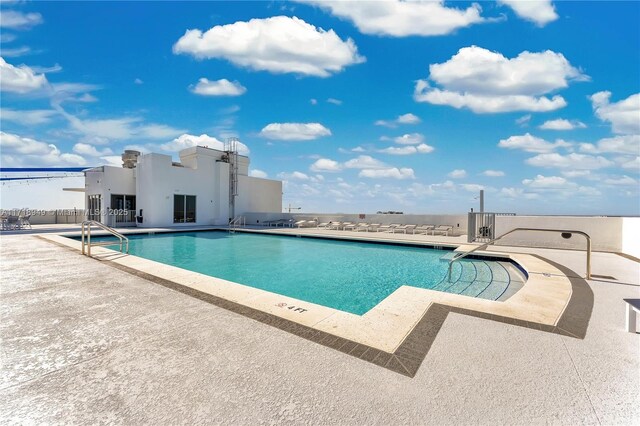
(207, 187)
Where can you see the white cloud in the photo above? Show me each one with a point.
(624, 180)
(571, 161)
(20, 79)
(576, 173)
(221, 87)
(14, 20)
(334, 101)
(403, 18)
(90, 150)
(187, 141)
(7, 38)
(138, 81)
(488, 82)
(294, 176)
(326, 165)
(16, 51)
(27, 117)
(540, 12)
(457, 174)
(409, 139)
(547, 182)
(630, 163)
(423, 148)
(493, 173)
(21, 152)
(518, 193)
(258, 174)
(485, 104)
(623, 115)
(279, 44)
(562, 124)
(313, 101)
(365, 162)
(472, 187)
(530, 143)
(294, 131)
(407, 118)
(623, 144)
(390, 173)
(524, 120)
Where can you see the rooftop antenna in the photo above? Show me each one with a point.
(293, 208)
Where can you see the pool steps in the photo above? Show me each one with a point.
(494, 280)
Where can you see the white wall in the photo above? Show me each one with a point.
(258, 195)
(631, 236)
(605, 232)
(158, 181)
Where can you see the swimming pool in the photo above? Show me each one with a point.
(345, 275)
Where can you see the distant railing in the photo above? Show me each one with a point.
(481, 226)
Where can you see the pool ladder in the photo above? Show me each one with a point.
(87, 244)
(235, 223)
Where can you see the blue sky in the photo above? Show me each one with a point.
(356, 106)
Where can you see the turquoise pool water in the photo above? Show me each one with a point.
(345, 275)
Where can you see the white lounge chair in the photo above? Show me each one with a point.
(423, 229)
(346, 224)
(362, 226)
(387, 228)
(374, 227)
(442, 229)
(404, 229)
(353, 227)
(335, 225)
(300, 223)
(323, 225)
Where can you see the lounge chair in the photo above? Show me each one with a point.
(404, 229)
(25, 221)
(12, 222)
(374, 227)
(300, 223)
(387, 228)
(362, 226)
(347, 224)
(323, 225)
(354, 227)
(423, 229)
(335, 225)
(442, 229)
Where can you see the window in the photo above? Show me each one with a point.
(184, 209)
(94, 206)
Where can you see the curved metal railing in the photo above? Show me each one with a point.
(562, 231)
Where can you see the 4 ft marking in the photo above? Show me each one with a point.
(292, 307)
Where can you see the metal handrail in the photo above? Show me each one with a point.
(237, 221)
(562, 231)
(88, 224)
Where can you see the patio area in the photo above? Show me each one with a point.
(83, 342)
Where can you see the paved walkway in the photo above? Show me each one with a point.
(83, 342)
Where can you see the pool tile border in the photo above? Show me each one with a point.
(421, 327)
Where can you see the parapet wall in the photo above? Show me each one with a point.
(458, 221)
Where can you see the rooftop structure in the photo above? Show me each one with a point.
(207, 187)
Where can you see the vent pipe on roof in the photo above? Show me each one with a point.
(130, 158)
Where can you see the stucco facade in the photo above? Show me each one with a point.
(157, 187)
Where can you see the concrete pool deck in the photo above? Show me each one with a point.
(84, 342)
